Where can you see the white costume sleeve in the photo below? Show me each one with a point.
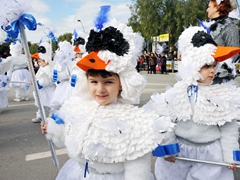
(55, 132)
(229, 140)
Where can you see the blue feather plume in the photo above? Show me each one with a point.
(102, 17)
(40, 42)
(75, 34)
(205, 27)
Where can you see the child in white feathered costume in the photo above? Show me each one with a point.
(63, 61)
(78, 42)
(205, 114)
(4, 89)
(102, 132)
(44, 79)
(18, 73)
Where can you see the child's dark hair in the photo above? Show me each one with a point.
(102, 73)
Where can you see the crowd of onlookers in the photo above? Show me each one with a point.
(152, 62)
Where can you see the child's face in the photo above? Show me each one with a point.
(104, 90)
(42, 63)
(207, 72)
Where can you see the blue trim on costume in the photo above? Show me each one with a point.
(73, 80)
(192, 90)
(86, 170)
(236, 155)
(55, 75)
(4, 84)
(166, 150)
(39, 86)
(57, 119)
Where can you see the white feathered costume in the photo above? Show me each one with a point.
(205, 115)
(4, 89)
(115, 141)
(63, 61)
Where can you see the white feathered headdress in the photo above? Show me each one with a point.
(197, 49)
(114, 47)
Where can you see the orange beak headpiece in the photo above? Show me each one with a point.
(225, 52)
(35, 56)
(77, 42)
(222, 53)
(109, 39)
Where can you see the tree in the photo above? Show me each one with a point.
(33, 48)
(66, 36)
(155, 17)
(4, 50)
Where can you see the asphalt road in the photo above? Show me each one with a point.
(24, 151)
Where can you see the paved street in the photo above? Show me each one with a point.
(24, 150)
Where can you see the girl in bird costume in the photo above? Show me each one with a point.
(205, 114)
(106, 136)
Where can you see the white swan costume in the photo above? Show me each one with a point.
(44, 79)
(4, 89)
(205, 114)
(62, 66)
(18, 72)
(115, 141)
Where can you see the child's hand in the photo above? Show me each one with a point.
(44, 128)
(170, 159)
(233, 167)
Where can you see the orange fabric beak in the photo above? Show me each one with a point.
(35, 56)
(92, 61)
(225, 52)
(76, 49)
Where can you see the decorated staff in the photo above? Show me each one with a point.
(173, 150)
(13, 21)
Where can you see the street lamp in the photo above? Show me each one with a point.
(81, 24)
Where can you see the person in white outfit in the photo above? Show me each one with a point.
(46, 86)
(103, 132)
(4, 89)
(18, 73)
(205, 114)
(63, 60)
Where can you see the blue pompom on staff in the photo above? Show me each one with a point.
(14, 20)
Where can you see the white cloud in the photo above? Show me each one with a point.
(86, 12)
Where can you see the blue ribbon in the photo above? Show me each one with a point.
(86, 170)
(166, 150)
(57, 119)
(52, 37)
(205, 27)
(236, 155)
(13, 29)
(73, 80)
(0, 59)
(193, 90)
(55, 75)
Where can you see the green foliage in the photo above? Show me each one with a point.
(4, 50)
(33, 48)
(66, 36)
(155, 17)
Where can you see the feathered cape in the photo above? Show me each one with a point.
(215, 104)
(112, 133)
